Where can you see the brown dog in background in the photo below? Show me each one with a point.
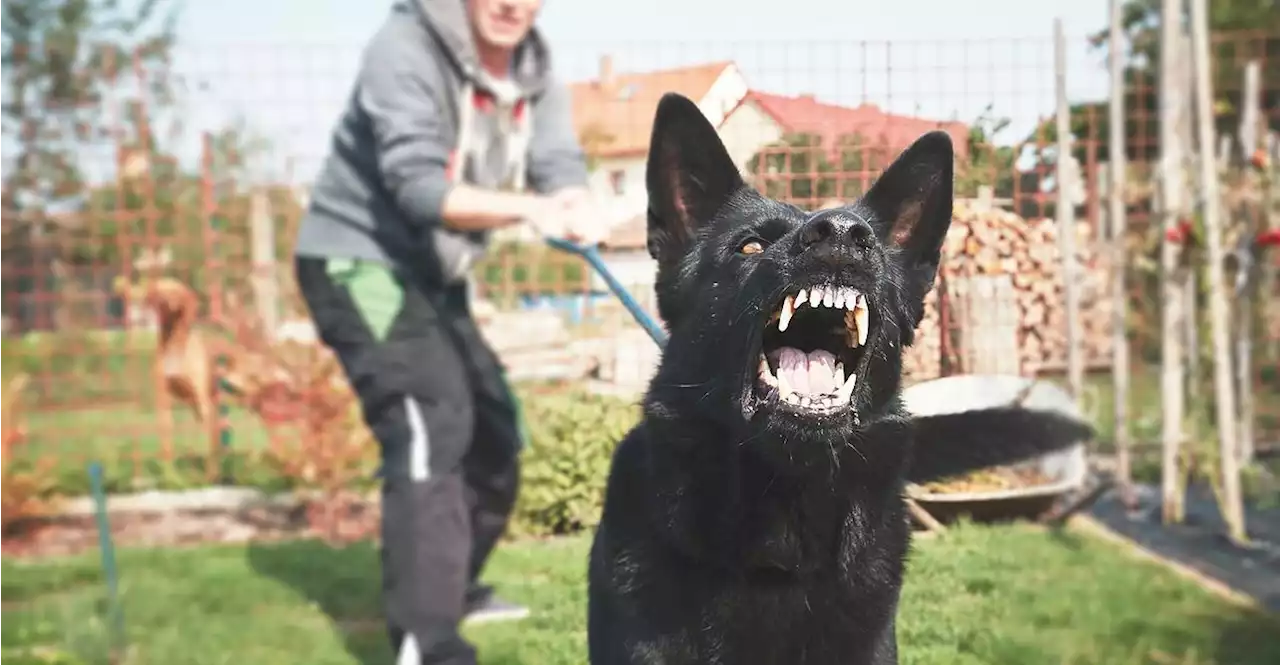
(183, 365)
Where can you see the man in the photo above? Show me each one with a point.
(452, 112)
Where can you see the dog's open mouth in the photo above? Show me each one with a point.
(813, 346)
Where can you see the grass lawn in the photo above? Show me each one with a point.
(1006, 595)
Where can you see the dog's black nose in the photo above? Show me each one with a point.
(835, 231)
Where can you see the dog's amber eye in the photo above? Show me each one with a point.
(753, 247)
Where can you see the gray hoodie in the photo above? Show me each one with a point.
(392, 158)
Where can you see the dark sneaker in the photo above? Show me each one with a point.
(484, 607)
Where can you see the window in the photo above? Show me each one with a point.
(618, 182)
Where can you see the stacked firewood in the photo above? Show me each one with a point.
(993, 242)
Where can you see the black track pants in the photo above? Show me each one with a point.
(436, 398)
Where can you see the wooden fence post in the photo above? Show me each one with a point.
(266, 285)
(1173, 103)
(1066, 217)
(1117, 231)
(1247, 270)
(1219, 329)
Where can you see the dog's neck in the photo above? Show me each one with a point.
(767, 515)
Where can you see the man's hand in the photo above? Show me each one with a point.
(547, 216)
(584, 221)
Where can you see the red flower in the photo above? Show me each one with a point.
(1269, 238)
(1180, 233)
(1260, 159)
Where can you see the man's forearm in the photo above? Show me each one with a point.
(469, 208)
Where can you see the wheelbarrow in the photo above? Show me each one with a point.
(1066, 470)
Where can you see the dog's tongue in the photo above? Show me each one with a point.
(808, 373)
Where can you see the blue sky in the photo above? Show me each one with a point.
(285, 66)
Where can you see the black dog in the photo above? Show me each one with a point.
(756, 514)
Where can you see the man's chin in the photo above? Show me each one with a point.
(503, 36)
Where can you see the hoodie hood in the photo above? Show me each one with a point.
(448, 22)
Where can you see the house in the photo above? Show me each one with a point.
(613, 115)
(760, 119)
(763, 119)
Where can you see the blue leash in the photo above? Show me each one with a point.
(592, 257)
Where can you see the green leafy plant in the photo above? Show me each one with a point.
(572, 438)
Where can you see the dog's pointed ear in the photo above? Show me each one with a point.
(690, 176)
(912, 203)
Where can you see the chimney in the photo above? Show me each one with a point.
(606, 72)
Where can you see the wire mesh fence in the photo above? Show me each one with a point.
(156, 203)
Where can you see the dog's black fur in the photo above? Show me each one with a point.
(737, 530)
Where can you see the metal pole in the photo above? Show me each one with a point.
(108, 552)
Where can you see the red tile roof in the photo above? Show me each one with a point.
(613, 115)
(893, 132)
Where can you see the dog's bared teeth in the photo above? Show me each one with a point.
(839, 373)
(788, 311)
(839, 299)
(845, 392)
(828, 297)
(784, 388)
(851, 299)
(815, 296)
(802, 297)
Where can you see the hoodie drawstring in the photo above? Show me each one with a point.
(515, 127)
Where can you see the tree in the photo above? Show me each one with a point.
(63, 61)
(1242, 29)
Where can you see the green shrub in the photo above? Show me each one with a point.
(566, 464)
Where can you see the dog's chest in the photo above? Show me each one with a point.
(811, 624)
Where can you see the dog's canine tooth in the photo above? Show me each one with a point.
(839, 373)
(845, 392)
(765, 373)
(815, 296)
(788, 311)
(861, 315)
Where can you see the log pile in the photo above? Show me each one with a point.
(990, 242)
